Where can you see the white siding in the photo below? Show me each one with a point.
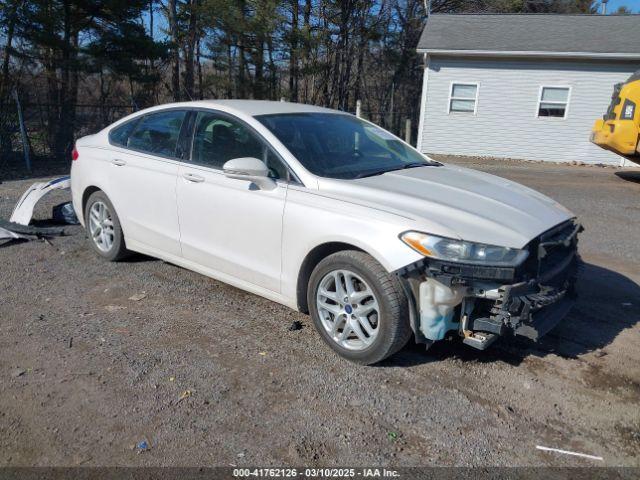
(506, 122)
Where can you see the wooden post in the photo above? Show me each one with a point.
(390, 117)
(407, 131)
(23, 132)
(358, 108)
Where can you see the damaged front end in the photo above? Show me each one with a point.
(484, 302)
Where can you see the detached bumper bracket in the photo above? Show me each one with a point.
(545, 319)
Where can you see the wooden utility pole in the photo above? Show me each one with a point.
(407, 131)
(172, 11)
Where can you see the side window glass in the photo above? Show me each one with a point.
(120, 135)
(277, 169)
(158, 133)
(218, 139)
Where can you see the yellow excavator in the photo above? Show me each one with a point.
(619, 128)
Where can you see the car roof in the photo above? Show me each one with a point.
(258, 107)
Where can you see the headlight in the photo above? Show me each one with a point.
(463, 252)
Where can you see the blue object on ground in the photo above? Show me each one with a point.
(143, 445)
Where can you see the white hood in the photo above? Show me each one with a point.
(460, 202)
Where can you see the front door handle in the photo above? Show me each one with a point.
(192, 177)
(118, 162)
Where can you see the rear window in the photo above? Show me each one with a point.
(120, 135)
(157, 133)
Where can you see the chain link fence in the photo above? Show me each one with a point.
(38, 120)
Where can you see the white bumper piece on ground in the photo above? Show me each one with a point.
(23, 210)
(6, 234)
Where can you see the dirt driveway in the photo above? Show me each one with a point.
(96, 357)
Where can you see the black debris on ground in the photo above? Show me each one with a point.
(295, 325)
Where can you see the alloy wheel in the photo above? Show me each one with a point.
(101, 226)
(348, 309)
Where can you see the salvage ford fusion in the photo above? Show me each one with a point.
(330, 215)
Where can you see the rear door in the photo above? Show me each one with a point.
(144, 169)
(227, 225)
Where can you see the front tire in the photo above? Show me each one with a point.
(103, 228)
(358, 308)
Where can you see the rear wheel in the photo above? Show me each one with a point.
(103, 228)
(358, 308)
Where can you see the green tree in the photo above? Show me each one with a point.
(69, 38)
(624, 10)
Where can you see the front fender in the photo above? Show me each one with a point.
(311, 220)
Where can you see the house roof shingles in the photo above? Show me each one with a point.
(587, 34)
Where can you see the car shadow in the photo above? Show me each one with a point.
(629, 175)
(136, 257)
(608, 303)
(77, 229)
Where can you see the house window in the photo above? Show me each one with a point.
(463, 97)
(553, 102)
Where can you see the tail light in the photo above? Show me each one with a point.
(74, 154)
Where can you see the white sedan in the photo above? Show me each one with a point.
(330, 215)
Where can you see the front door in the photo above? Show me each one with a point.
(231, 226)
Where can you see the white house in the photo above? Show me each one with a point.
(522, 86)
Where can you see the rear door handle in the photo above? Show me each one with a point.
(118, 162)
(192, 177)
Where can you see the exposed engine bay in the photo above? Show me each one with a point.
(483, 303)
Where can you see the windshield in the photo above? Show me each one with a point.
(341, 146)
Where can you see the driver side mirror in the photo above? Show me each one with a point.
(251, 169)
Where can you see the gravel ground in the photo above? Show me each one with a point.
(209, 375)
